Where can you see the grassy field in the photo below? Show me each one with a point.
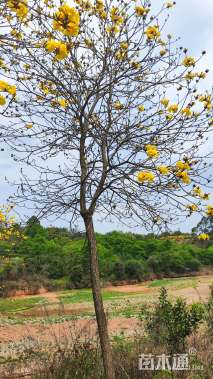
(31, 324)
(117, 299)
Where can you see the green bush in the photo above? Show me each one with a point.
(171, 323)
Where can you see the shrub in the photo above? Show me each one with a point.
(209, 312)
(170, 324)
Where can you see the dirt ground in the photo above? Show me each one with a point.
(58, 332)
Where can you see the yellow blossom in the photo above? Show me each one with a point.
(173, 108)
(164, 170)
(145, 176)
(201, 75)
(19, 7)
(183, 166)
(152, 32)
(120, 55)
(2, 100)
(186, 112)
(141, 11)
(124, 45)
(29, 126)
(135, 65)
(203, 237)
(169, 117)
(5, 87)
(58, 47)
(51, 45)
(162, 53)
(183, 175)
(112, 29)
(192, 207)
(141, 108)
(62, 52)
(188, 61)
(118, 106)
(151, 151)
(209, 211)
(190, 76)
(115, 16)
(67, 20)
(63, 103)
(165, 102)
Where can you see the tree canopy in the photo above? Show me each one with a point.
(104, 109)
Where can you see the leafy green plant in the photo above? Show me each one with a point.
(209, 312)
(171, 323)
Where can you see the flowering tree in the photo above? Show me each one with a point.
(8, 227)
(106, 111)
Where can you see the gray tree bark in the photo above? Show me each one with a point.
(98, 301)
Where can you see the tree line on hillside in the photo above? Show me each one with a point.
(58, 258)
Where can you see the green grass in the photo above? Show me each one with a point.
(18, 305)
(178, 283)
(85, 296)
(81, 296)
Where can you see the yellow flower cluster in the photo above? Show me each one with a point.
(173, 108)
(197, 191)
(141, 108)
(67, 20)
(183, 166)
(206, 100)
(152, 32)
(188, 61)
(192, 207)
(124, 45)
(164, 170)
(19, 7)
(2, 100)
(165, 102)
(182, 171)
(5, 87)
(203, 237)
(209, 211)
(85, 5)
(145, 176)
(135, 65)
(186, 112)
(115, 16)
(58, 47)
(183, 175)
(151, 151)
(121, 54)
(63, 103)
(118, 105)
(141, 11)
(29, 126)
(2, 217)
(7, 230)
(100, 9)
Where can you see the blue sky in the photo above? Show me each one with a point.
(191, 20)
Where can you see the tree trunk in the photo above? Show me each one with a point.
(98, 302)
